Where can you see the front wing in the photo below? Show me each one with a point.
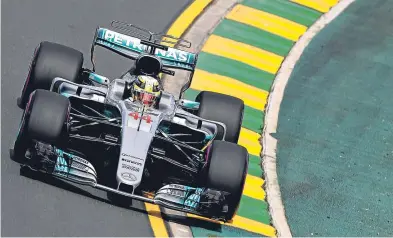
(199, 201)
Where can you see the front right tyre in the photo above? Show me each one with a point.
(227, 170)
(222, 108)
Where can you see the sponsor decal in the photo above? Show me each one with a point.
(193, 200)
(176, 193)
(134, 44)
(128, 176)
(134, 115)
(172, 54)
(80, 160)
(176, 64)
(177, 186)
(132, 162)
(61, 165)
(147, 119)
(123, 154)
(80, 166)
(129, 167)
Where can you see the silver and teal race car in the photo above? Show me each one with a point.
(82, 127)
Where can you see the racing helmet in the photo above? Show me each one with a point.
(147, 90)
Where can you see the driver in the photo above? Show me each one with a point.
(146, 89)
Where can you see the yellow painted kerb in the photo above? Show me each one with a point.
(243, 223)
(267, 22)
(252, 96)
(156, 221)
(250, 140)
(319, 5)
(253, 188)
(256, 57)
(179, 26)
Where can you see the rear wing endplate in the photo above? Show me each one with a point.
(131, 47)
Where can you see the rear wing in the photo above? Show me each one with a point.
(131, 47)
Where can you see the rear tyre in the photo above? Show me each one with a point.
(227, 170)
(44, 119)
(51, 60)
(222, 108)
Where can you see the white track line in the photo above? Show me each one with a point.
(269, 144)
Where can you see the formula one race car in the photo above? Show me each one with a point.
(128, 136)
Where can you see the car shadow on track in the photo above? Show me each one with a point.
(50, 180)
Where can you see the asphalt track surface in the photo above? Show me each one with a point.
(37, 206)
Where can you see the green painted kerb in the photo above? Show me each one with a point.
(236, 70)
(286, 9)
(250, 208)
(255, 37)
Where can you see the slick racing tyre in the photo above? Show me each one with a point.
(222, 108)
(227, 170)
(44, 119)
(51, 60)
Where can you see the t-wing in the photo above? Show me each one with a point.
(132, 47)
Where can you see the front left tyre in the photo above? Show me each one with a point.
(45, 119)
